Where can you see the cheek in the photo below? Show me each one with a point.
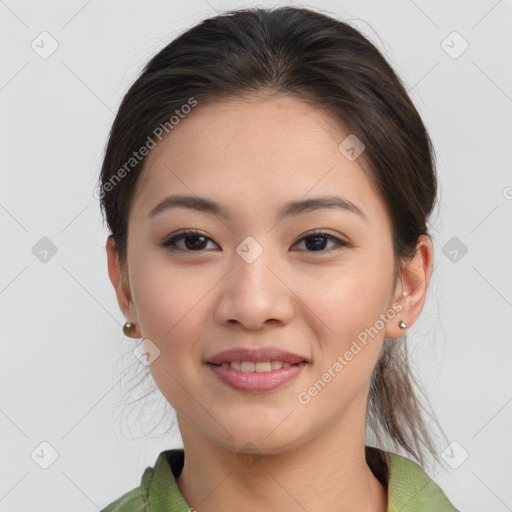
(166, 299)
(346, 300)
(171, 308)
(349, 345)
(347, 306)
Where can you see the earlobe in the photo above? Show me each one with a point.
(119, 281)
(411, 290)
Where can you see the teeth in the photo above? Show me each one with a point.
(261, 366)
(246, 366)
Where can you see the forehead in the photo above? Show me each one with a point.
(255, 151)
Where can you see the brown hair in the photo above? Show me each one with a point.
(327, 62)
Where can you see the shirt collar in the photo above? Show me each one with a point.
(410, 489)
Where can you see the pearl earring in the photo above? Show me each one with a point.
(127, 327)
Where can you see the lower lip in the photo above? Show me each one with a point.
(257, 382)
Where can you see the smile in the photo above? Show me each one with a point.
(256, 377)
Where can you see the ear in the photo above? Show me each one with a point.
(411, 287)
(119, 280)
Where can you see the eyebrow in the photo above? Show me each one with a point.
(290, 209)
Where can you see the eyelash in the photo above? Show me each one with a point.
(170, 243)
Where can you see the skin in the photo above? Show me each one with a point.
(253, 156)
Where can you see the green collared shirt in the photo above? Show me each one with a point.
(410, 489)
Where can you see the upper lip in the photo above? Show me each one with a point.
(256, 355)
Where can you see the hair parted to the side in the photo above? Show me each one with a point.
(328, 63)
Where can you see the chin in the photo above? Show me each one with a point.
(263, 440)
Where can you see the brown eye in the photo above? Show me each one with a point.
(193, 241)
(316, 242)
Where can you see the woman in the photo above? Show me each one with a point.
(267, 183)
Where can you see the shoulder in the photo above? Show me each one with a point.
(136, 500)
(132, 501)
(410, 488)
(158, 489)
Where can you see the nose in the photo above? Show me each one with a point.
(255, 293)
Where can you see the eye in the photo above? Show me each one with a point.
(195, 241)
(317, 241)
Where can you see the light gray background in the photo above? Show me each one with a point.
(65, 362)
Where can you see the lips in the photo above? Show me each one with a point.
(256, 355)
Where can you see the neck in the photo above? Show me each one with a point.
(329, 472)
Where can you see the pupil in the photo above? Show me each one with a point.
(316, 239)
(195, 245)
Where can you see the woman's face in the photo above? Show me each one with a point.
(259, 279)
